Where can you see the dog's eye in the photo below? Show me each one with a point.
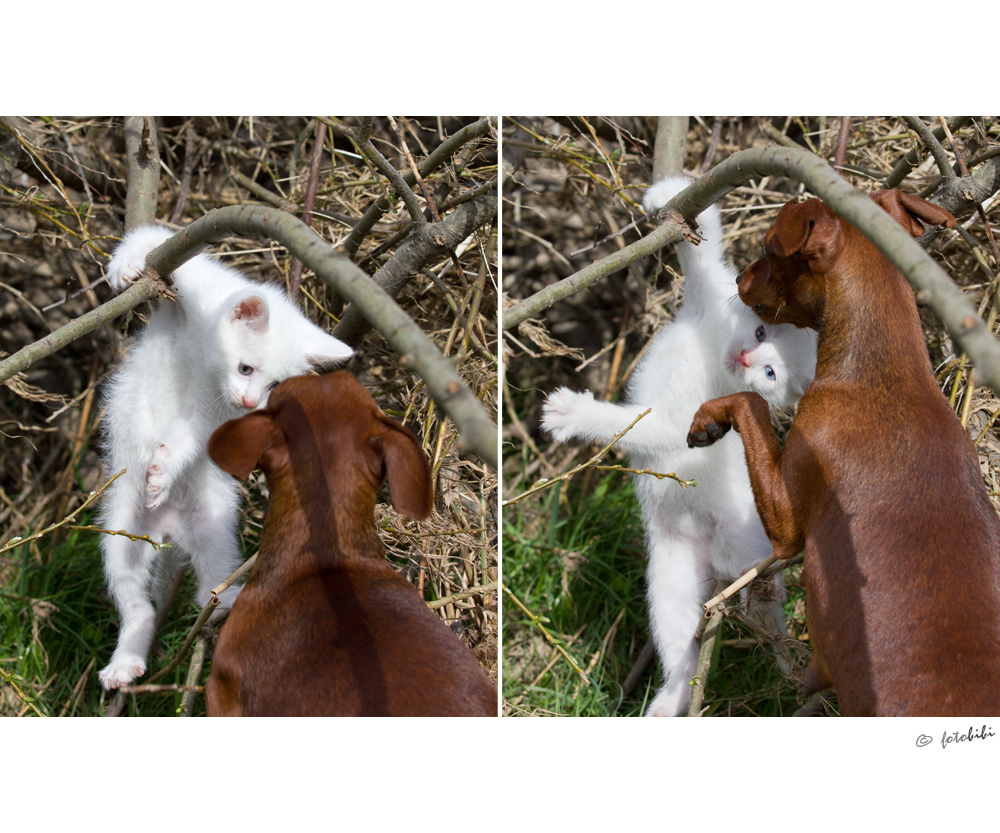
(760, 334)
(757, 307)
(245, 369)
(769, 372)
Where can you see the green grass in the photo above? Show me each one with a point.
(577, 560)
(58, 627)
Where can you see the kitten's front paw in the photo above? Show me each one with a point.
(121, 671)
(561, 413)
(157, 477)
(129, 258)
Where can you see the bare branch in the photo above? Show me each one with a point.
(143, 160)
(931, 143)
(424, 244)
(668, 152)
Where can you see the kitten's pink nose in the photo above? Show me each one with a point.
(745, 359)
(249, 403)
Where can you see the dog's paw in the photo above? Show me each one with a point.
(563, 412)
(122, 670)
(158, 477)
(706, 434)
(710, 423)
(129, 259)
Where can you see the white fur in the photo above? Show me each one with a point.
(711, 530)
(211, 356)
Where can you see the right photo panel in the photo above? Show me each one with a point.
(749, 459)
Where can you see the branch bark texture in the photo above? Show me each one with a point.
(424, 244)
(143, 290)
(142, 157)
(961, 196)
(669, 149)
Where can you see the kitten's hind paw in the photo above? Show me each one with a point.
(563, 414)
(157, 479)
(121, 671)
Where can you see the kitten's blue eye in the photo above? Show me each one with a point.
(769, 372)
(245, 369)
(760, 333)
(272, 386)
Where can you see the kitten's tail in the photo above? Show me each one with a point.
(706, 254)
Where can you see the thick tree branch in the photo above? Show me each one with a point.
(426, 243)
(142, 157)
(666, 234)
(143, 290)
(671, 142)
(961, 195)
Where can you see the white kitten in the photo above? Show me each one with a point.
(214, 354)
(715, 346)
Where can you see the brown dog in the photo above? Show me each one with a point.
(324, 625)
(878, 481)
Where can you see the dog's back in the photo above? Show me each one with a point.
(352, 642)
(324, 625)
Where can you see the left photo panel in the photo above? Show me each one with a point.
(249, 416)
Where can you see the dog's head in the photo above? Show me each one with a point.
(788, 285)
(327, 434)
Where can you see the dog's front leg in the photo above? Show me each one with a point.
(748, 414)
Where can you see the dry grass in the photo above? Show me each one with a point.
(56, 230)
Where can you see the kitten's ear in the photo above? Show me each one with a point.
(251, 311)
(321, 348)
(406, 470)
(237, 445)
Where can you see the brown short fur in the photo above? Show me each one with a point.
(878, 481)
(324, 625)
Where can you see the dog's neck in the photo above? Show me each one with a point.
(857, 335)
(311, 531)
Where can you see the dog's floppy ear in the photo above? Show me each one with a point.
(237, 445)
(909, 209)
(406, 470)
(802, 228)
